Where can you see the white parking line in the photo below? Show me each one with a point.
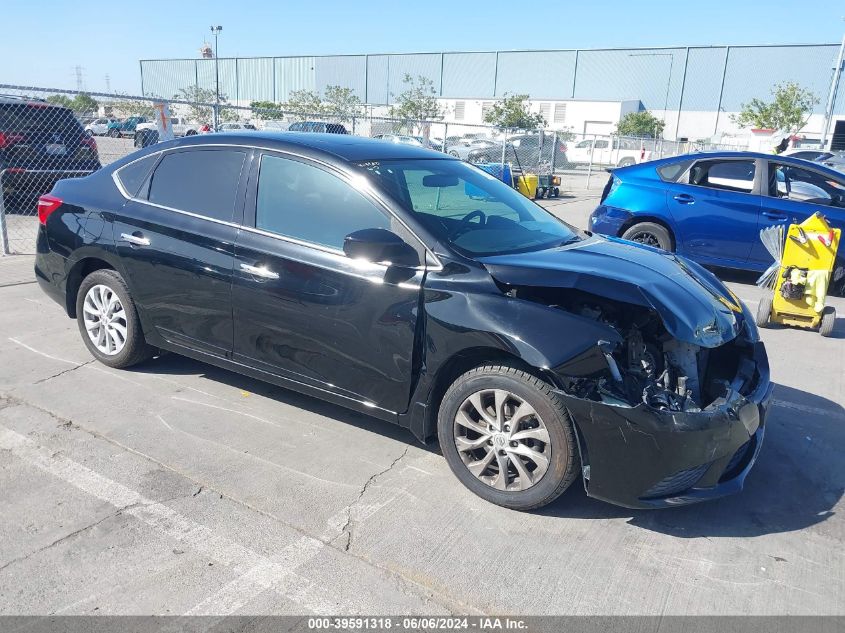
(256, 572)
(827, 413)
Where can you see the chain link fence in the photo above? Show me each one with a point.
(50, 134)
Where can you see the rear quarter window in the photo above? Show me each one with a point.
(670, 172)
(204, 182)
(133, 175)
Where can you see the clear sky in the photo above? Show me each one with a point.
(44, 40)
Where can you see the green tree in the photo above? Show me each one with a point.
(131, 107)
(303, 104)
(62, 100)
(85, 103)
(418, 102)
(342, 103)
(512, 113)
(203, 114)
(642, 124)
(266, 110)
(787, 112)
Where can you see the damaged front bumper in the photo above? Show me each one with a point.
(642, 457)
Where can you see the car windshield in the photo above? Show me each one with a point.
(475, 212)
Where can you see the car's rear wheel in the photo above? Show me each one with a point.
(651, 234)
(508, 437)
(190, 133)
(113, 133)
(108, 320)
(89, 132)
(626, 162)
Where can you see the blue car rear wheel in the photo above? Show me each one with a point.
(650, 234)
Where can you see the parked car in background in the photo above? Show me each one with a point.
(126, 127)
(710, 207)
(464, 147)
(401, 138)
(235, 126)
(275, 126)
(836, 161)
(40, 143)
(317, 126)
(364, 273)
(99, 127)
(815, 155)
(526, 151)
(612, 151)
(181, 126)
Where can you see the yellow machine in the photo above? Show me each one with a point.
(526, 184)
(800, 288)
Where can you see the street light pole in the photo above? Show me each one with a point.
(215, 30)
(831, 95)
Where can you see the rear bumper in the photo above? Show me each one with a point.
(639, 457)
(607, 220)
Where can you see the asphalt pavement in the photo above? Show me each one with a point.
(175, 487)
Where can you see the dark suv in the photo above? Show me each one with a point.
(528, 151)
(40, 143)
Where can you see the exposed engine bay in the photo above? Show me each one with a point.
(649, 365)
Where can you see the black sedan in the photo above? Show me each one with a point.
(406, 284)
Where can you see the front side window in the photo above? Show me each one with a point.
(204, 182)
(804, 185)
(306, 203)
(475, 212)
(730, 175)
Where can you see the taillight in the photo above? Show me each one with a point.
(563, 147)
(46, 205)
(90, 143)
(7, 139)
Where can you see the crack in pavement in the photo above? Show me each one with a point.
(347, 527)
(85, 528)
(64, 371)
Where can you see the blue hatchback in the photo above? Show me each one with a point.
(710, 207)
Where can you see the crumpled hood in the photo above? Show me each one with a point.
(694, 306)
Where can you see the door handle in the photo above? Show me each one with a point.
(684, 198)
(774, 215)
(135, 239)
(259, 271)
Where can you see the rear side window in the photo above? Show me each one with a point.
(204, 182)
(306, 203)
(671, 172)
(730, 175)
(132, 176)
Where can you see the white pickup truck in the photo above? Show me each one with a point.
(608, 151)
(181, 126)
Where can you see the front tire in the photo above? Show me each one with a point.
(108, 320)
(650, 234)
(113, 133)
(828, 321)
(507, 437)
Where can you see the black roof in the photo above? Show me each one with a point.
(343, 146)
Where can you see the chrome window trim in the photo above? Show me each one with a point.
(330, 167)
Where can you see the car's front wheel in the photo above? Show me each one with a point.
(508, 437)
(108, 320)
(650, 234)
(113, 133)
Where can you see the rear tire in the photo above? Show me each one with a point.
(542, 439)
(764, 311)
(626, 162)
(651, 234)
(103, 303)
(828, 321)
(113, 133)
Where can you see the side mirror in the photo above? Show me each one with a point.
(380, 246)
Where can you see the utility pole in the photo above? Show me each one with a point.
(831, 95)
(215, 30)
(79, 82)
(108, 83)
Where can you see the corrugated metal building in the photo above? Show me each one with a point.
(682, 81)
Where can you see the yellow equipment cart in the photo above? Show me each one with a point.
(800, 288)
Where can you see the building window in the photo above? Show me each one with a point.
(460, 110)
(486, 106)
(560, 113)
(546, 111)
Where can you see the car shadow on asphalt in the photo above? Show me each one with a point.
(798, 479)
(176, 365)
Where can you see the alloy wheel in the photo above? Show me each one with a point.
(502, 440)
(647, 238)
(105, 320)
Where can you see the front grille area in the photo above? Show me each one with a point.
(676, 482)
